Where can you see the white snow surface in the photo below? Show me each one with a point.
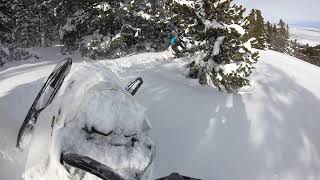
(103, 6)
(217, 45)
(305, 35)
(210, 24)
(237, 28)
(144, 15)
(186, 2)
(268, 132)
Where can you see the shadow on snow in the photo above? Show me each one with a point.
(270, 134)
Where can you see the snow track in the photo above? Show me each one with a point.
(271, 133)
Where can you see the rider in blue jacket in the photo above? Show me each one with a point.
(175, 42)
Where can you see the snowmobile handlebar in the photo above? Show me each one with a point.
(90, 165)
(103, 171)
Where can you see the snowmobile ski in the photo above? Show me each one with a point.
(44, 98)
(133, 86)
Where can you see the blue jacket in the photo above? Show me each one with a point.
(174, 40)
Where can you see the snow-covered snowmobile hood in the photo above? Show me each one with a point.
(94, 98)
(106, 107)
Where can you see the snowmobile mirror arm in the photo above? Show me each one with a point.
(134, 85)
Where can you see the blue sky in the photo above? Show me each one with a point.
(303, 12)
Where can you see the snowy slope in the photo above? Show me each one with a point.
(271, 132)
(305, 35)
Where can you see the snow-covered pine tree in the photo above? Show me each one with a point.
(34, 23)
(216, 27)
(9, 50)
(24, 23)
(150, 36)
(26, 33)
(179, 17)
(5, 29)
(47, 22)
(256, 29)
(107, 28)
(5, 20)
(274, 37)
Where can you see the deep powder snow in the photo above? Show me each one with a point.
(268, 132)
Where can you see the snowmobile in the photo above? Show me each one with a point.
(99, 130)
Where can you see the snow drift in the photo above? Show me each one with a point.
(269, 132)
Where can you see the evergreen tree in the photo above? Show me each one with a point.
(107, 28)
(293, 47)
(274, 37)
(256, 29)
(259, 31)
(5, 29)
(282, 39)
(251, 23)
(23, 24)
(275, 29)
(34, 23)
(216, 27)
(26, 31)
(269, 33)
(6, 21)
